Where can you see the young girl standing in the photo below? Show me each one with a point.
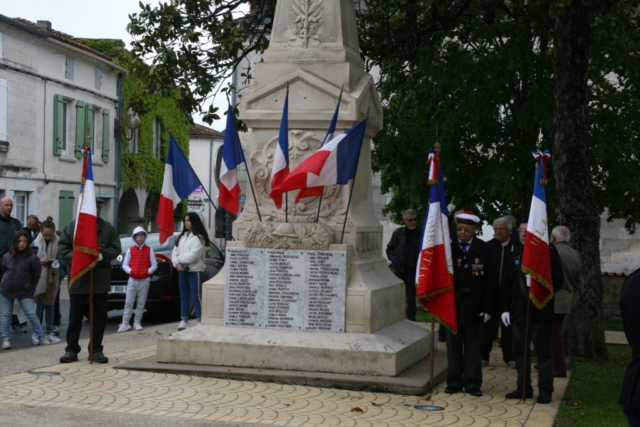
(21, 272)
(188, 258)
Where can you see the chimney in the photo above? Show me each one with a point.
(44, 25)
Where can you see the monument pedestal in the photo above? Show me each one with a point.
(386, 352)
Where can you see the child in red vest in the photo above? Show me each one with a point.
(139, 263)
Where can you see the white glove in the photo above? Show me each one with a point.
(528, 280)
(100, 256)
(506, 318)
(486, 317)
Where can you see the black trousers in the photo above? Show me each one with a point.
(542, 339)
(489, 333)
(409, 279)
(463, 357)
(79, 304)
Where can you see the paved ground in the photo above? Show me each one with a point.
(81, 394)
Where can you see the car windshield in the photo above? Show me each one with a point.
(152, 241)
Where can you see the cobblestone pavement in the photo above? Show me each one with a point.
(91, 388)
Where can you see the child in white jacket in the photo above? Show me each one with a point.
(139, 263)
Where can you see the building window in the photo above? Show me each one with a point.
(20, 206)
(133, 142)
(98, 82)
(157, 138)
(91, 127)
(68, 71)
(64, 126)
(1, 47)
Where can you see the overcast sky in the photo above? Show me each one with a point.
(86, 19)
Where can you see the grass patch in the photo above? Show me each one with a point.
(593, 391)
(613, 325)
(423, 316)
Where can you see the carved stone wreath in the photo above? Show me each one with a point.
(301, 145)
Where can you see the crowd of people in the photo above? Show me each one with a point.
(492, 298)
(35, 259)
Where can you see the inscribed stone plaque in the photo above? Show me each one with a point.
(298, 290)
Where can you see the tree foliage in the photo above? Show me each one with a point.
(477, 76)
(194, 45)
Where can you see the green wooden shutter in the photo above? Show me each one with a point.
(106, 125)
(65, 209)
(81, 131)
(58, 123)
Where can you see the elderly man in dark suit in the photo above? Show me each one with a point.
(630, 395)
(475, 286)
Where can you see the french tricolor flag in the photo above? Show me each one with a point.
(335, 163)
(434, 276)
(317, 191)
(280, 169)
(180, 180)
(536, 258)
(232, 156)
(85, 241)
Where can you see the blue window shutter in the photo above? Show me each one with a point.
(81, 131)
(106, 125)
(58, 124)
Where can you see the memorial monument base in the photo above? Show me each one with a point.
(387, 352)
(416, 380)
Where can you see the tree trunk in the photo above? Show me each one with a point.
(575, 197)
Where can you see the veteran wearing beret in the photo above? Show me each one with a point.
(475, 288)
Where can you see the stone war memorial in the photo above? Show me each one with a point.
(293, 303)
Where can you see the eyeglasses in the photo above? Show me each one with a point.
(411, 219)
(500, 229)
(522, 230)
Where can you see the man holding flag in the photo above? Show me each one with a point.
(527, 301)
(88, 244)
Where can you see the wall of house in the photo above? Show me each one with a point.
(32, 167)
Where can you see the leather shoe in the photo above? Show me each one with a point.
(100, 358)
(475, 392)
(452, 390)
(69, 357)
(544, 398)
(517, 394)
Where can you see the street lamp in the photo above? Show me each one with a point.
(132, 122)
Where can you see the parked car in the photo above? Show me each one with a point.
(164, 292)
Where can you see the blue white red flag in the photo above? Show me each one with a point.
(232, 156)
(85, 237)
(335, 163)
(434, 276)
(317, 191)
(280, 169)
(536, 258)
(180, 180)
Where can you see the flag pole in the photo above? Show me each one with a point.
(91, 318)
(353, 184)
(323, 142)
(528, 318)
(432, 356)
(286, 195)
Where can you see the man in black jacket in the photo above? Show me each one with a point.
(475, 287)
(514, 301)
(402, 251)
(630, 395)
(503, 249)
